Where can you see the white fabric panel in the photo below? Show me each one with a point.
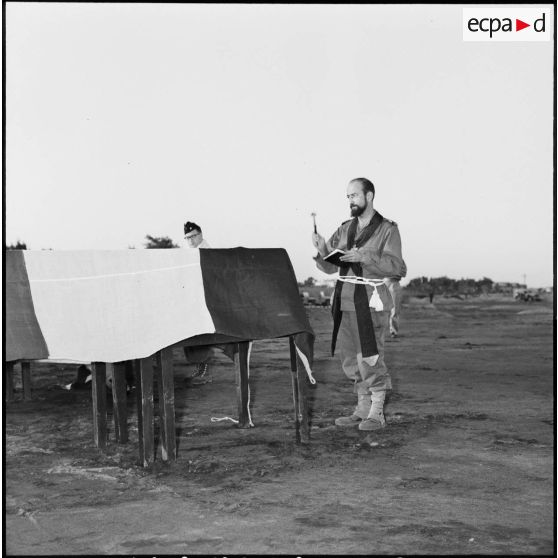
(112, 305)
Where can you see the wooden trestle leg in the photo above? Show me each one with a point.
(9, 381)
(26, 379)
(99, 395)
(144, 391)
(242, 388)
(165, 382)
(119, 408)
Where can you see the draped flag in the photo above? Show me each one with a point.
(115, 305)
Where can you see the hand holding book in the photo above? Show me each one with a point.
(341, 258)
(352, 256)
(335, 257)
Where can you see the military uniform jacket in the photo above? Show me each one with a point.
(382, 258)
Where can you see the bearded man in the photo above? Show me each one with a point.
(362, 302)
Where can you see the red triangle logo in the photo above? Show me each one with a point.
(519, 25)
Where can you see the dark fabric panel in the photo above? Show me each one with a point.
(24, 339)
(196, 348)
(252, 293)
(209, 339)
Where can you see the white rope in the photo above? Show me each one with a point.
(219, 419)
(375, 300)
(306, 364)
(113, 274)
(360, 280)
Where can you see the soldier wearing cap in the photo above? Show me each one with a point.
(194, 236)
(199, 355)
(362, 302)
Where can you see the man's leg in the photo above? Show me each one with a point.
(375, 379)
(395, 291)
(348, 347)
(393, 322)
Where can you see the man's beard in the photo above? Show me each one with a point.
(357, 211)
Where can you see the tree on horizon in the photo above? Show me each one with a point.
(17, 246)
(159, 242)
(446, 285)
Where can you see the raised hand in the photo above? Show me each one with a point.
(319, 242)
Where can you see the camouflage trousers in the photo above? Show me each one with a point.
(366, 378)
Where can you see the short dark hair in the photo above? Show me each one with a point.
(367, 186)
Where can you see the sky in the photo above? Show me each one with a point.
(124, 120)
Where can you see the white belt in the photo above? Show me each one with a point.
(360, 280)
(375, 300)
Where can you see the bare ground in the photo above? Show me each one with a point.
(465, 465)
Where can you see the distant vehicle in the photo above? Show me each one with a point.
(526, 295)
(308, 300)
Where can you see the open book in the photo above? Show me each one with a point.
(333, 257)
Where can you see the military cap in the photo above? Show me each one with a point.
(189, 227)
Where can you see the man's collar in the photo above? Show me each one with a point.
(360, 226)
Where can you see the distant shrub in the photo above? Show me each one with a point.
(17, 246)
(159, 242)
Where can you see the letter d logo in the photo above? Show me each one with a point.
(542, 21)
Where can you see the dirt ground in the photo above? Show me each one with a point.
(465, 465)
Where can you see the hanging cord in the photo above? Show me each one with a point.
(304, 360)
(248, 369)
(219, 419)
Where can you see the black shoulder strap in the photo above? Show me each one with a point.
(366, 235)
(367, 232)
(365, 326)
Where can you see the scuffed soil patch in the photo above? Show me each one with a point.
(465, 465)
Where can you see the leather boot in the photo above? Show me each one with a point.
(359, 414)
(375, 419)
